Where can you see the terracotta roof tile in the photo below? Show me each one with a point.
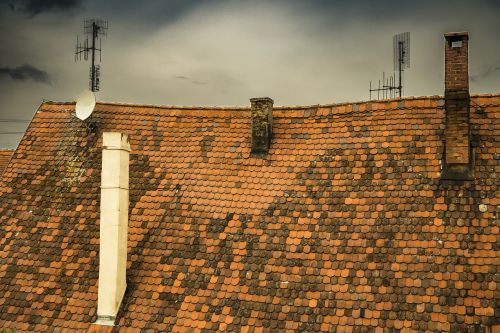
(343, 226)
(5, 155)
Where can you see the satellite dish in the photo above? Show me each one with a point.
(85, 105)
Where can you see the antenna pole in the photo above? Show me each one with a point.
(394, 83)
(92, 70)
(383, 85)
(400, 65)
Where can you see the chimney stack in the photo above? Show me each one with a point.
(114, 225)
(262, 124)
(458, 155)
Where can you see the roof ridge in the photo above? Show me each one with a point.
(280, 107)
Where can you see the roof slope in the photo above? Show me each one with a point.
(5, 155)
(344, 226)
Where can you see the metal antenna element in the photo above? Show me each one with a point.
(393, 85)
(93, 29)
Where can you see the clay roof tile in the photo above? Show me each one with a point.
(344, 225)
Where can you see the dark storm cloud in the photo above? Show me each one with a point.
(25, 72)
(145, 14)
(35, 7)
(486, 72)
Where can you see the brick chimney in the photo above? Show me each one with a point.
(458, 154)
(114, 225)
(262, 124)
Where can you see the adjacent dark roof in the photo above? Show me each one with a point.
(344, 226)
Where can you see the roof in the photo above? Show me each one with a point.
(343, 226)
(5, 155)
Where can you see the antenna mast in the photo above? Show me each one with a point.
(93, 29)
(401, 50)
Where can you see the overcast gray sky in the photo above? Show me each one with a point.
(203, 52)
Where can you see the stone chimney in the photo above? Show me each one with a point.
(458, 154)
(114, 225)
(262, 124)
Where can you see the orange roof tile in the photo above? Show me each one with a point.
(344, 226)
(5, 155)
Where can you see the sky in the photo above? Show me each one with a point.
(224, 52)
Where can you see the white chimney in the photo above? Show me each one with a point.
(114, 225)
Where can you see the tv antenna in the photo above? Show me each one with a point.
(93, 29)
(393, 85)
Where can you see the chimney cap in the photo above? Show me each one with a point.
(462, 34)
(115, 140)
(261, 99)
